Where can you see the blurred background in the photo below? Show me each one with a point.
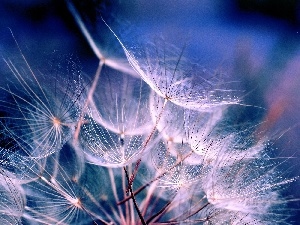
(256, 43)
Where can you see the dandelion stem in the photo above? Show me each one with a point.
(159, 213)
(84, 30)
(133, 199)
(156, 178)
(145, 145)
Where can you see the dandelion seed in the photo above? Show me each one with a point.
(164, 68)
(120, 103)
(107, 148)
(40, 111)
(242, 193)
(117, 123)
(58, 196)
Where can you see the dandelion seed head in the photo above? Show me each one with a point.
(147, 150)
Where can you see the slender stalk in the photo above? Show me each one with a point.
(133, 199)
(156, 178)
(145, 145)
(159, 213)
